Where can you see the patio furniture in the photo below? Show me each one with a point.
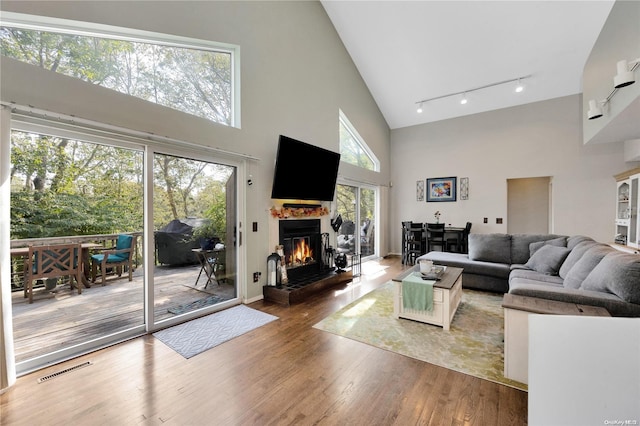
(52, 261)
(116, 258)
(210, 263)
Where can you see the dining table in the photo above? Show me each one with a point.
(85, 255)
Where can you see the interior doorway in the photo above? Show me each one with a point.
(529, 205)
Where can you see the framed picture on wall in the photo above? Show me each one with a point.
(420, 190)
(441, 189)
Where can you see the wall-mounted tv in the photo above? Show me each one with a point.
(304, 171)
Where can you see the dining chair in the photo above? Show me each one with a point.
(416, 242)
(116, 258)
(460, 244)
(435, 236)
(52, 261)
(405, 234)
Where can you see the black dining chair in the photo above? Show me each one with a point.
(460, 243)
(416, 242)
(435, 236)
(405, 234)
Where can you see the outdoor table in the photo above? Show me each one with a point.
(209, 261)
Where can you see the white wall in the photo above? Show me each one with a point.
(296, 75)
(538, 139)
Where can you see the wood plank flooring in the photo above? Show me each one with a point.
(284, 373)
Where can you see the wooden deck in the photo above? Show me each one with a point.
(62, 317)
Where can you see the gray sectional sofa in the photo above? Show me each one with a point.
(573, 269)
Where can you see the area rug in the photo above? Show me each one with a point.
(198, 304)
(196, 336)
(473, 345)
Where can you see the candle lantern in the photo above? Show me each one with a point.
(273, 269)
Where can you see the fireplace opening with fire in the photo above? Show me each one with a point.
(301, 253)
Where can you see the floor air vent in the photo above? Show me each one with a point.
(66, 370)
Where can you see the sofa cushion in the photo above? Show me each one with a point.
(459, 260)
(490, 248)
(577, 239)
(617, 273)
(559, 242)
(576, 253)
(583, 267)
(520, 251)
(548, 259)
(529, 274)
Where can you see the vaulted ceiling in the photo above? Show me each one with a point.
(407, 51)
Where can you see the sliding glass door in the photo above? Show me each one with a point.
(194, 219)
(70, 187)
(357, 205)
(67, 189)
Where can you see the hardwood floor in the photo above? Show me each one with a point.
(283, 373)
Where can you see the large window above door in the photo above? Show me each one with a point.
(194, 76)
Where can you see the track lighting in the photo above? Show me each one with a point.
(519, 86)
(595, 111)
(623, 78)
(464, 100)
(625, 75)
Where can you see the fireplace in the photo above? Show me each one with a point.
(302, 242)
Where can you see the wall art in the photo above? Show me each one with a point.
(441, 189)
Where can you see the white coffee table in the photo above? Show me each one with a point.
(447, 293)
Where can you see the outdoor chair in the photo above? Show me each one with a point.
(52, 261)
(115, 258)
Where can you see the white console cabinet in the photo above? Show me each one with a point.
(627, 204)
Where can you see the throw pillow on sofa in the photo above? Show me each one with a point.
(583, 267)
(490, 247)
(559, 242)
(548, 259)
(617, 273)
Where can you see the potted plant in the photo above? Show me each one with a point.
(207, 234)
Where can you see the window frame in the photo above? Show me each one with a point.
(344, 121)
(90, 29)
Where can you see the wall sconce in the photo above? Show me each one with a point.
(625, 75)
(595, 111)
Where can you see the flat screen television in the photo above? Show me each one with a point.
(304, 171)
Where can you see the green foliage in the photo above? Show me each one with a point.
(195, 81)
(48, 214)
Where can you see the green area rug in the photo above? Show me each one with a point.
(474, 344)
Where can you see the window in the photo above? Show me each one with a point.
(353, 149)
(193, 76)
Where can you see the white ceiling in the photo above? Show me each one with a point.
(407, 51)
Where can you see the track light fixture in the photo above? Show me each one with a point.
(595, 110)
(464, 100)
(625, 75)
(623, 78)
(519, 86)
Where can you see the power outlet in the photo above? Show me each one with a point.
(256, 276)
(486, 220)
